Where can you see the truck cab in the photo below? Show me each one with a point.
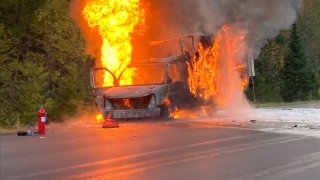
(158, 86)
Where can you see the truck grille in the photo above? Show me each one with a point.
(134, 113)
(130, 103)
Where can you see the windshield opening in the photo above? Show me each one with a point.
(145, 75)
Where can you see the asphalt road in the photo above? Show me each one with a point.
(159, 150)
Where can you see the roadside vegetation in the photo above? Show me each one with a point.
(43, 62)
(288, 68)
(302, 104)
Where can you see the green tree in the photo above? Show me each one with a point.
(62, 49)
(308, 26)
(21, 72)
(298, 82)
(268, 68)
(42, 61)
(20, 83)
(16, 15)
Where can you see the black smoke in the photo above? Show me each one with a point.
(259, 20)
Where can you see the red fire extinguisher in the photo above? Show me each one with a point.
(42, 121)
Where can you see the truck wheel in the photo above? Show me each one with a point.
(164, 112)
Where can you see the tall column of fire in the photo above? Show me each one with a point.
(115, 21)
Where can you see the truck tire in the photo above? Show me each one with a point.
(164, 112)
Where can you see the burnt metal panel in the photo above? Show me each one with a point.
(134, 113)
(131, 91)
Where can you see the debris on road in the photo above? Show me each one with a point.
(27, 133)
(286, 109)
(296, 121)
(109, 123)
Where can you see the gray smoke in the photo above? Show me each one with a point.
(259, 20)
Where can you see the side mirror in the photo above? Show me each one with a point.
(94, 92)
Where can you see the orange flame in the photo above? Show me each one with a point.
(126, 102)
(203, 71)
(115, 21)
(244, 82)
(217, 73)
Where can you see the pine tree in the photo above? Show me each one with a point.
(298, 82)
(308, 25)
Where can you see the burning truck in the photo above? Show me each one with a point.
(158, 86)
(128, 87)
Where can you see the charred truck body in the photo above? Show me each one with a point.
(161, 85)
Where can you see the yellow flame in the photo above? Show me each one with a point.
(203, 70)
(99, 117)
(115, 20)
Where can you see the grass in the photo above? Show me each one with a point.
(285, 104)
